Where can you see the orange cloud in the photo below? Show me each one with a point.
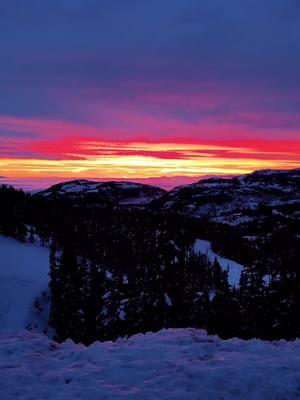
(143, 160)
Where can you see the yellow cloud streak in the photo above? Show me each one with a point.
(128, 166)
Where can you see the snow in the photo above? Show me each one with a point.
(250, 238)
(109, 275)
(213, 184)
(267, 279)
(168, 300)
(23, 277)
(234, 219)
(212, 295)
(122, 315)
(73, 187)
(234, 269)
(138, 200)
(173, 364)
(127, 185)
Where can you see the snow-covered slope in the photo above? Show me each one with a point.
(234, 269)
(123, 193)
(23, 277)
(182, 364)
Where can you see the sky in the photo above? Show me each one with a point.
(158, 91)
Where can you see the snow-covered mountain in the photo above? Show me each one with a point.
(237, 200)
(122, 193)
(227, 200)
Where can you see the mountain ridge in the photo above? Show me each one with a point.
(212, 197)
(123, 192)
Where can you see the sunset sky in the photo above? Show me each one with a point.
(171, 90)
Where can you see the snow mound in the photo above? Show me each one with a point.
(181, 364)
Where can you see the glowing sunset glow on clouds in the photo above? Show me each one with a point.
(93, 91)
(97, 159)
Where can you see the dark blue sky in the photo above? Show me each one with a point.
(172, 45)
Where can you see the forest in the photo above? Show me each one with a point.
(119, 270)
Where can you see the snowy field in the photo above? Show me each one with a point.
(234, 269)
(23, 276)
(182, 364)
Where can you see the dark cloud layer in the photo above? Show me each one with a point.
(88, 60)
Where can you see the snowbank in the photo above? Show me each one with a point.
(182, 364)
(23, 277)
(234, 269)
